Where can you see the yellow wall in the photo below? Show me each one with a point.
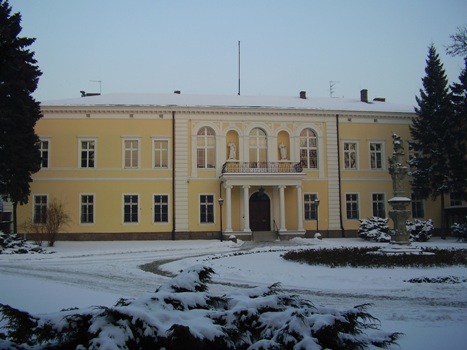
(108, 181)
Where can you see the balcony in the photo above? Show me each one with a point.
(234, 167)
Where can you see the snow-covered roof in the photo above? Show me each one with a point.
(230, 101)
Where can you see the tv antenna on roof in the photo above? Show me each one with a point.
(100, 84)
(332, 83)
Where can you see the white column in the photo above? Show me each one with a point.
(282, 207)
(246, 208)
(299, 209)
(228, 208)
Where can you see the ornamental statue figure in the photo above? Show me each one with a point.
(283, 150)
(232, 150)
(396, 169)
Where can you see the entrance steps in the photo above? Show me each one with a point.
(264, 236)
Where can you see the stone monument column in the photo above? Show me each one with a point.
(399, 214)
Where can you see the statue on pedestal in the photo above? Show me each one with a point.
(232, 150)
(283, 151)
(399, 202)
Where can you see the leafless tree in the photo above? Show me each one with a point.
(459, 44)
(56, 219)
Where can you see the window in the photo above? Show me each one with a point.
(376, 155)
(40, 209)
(350, 155)
(258, 145)
(161, 208)
(161, 153)
(206, 209)
(206, 148)
(418, 207)
(130, 153)
(308, 149)
(87, 209)
(311, 210)
(351, 205)
(378, 201)
(44, 149)
(455, 199)
(130, 208)
(87, 153)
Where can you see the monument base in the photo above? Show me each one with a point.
(397, 249)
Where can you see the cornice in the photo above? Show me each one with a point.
(241, 112)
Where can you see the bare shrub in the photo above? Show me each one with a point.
(56, 219)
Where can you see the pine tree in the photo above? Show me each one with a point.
(19, 76)
(458, 155)
(432, 133)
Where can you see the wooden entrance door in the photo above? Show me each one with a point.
(260, 212)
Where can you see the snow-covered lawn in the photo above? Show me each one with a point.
(80, 274)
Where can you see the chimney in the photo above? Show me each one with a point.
(364, 95)
(303, 95)
(178, 92)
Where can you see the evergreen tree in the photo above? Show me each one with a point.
(19, 76)
(458, 157)
(432, 133)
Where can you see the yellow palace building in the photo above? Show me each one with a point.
(180, 166)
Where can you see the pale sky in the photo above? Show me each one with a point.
(158, 46)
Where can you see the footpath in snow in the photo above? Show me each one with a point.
(80, 274)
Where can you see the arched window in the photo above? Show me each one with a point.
(206, 148)
(258, 146)
(308, 149)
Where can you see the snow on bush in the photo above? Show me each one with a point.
(420, 230)
(12, 243)
(460, 231)
(376, 229)
(183, 315)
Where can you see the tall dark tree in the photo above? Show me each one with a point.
(458, 156)
(19, 112)
(432, 134)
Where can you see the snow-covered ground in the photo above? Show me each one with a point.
(79, 274)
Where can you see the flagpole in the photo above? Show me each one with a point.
(239, 68)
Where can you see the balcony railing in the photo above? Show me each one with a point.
(261, 167)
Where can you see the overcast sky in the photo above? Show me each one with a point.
(286, 46)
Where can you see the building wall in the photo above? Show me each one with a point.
(65, 180)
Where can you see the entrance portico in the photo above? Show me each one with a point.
(266, 191)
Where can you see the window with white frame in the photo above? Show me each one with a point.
(310, 206)
(258, 146)
(130, 208)
(379, 205)
(87, 209)
(130, 153)
(455, 199)
(161, 208)
(44, 150)
(87, 153)
(418, 207)
(161, 153)
(206, 148)
(376, 155)
(206, 209)
(40, 209)
(350, 155)
(308, 149)
(351, 206)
